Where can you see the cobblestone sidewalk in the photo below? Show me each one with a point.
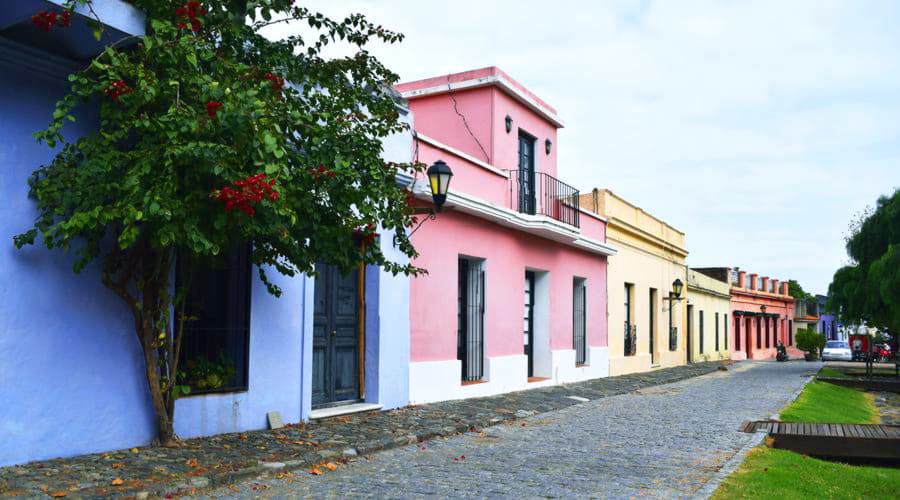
(224, 459)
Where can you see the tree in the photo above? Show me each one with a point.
(797, 291)
(212, 136)
(868, 290)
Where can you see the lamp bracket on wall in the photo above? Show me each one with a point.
(430, 213)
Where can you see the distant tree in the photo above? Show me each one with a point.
(796, 291)
(868, 290)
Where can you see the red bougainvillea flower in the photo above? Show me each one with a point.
(44, 20)
(118, 88)
(320, 172)
(365, 234)
(188, 13)
(250, 191)
(212, 107)
(48, 19)
(277, 81)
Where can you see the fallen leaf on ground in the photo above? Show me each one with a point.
(117, 482)
(117, 465)
(315, 471)
(331, 466)
(134, 450)
(58, 494)
(193, 463)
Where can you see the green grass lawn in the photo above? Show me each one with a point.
(785, 475)
(781, 474)
(828, 403)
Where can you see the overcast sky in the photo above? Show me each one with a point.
(757, 128)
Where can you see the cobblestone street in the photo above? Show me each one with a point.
(664, 441)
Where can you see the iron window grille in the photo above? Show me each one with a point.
(630, 339)
(717, 332)
(470, 319)
(673, 338)
(579, 321)
(215, 349)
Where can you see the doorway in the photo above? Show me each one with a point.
(748, 327)
(336, 337)
(527, 201)
(690, 334)
(652, 326)
(529, 321)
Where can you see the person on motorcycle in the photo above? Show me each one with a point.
(782, 352)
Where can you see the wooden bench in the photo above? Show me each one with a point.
(832, 440)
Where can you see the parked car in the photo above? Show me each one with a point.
(836, 350)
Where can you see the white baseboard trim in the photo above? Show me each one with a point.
(432, 381)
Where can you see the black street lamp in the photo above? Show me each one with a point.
(439, 175)
(674, 295)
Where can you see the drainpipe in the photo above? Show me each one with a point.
(595, 194)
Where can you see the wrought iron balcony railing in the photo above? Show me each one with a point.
(536, 193)
(630, 339)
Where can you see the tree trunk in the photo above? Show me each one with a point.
(149, 307)
(164, 420)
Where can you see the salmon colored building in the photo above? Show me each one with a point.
(515, 295)
(762, 313)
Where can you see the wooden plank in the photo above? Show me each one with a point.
(851, 432)
(839, 430)
(775, 427)
(879, 431)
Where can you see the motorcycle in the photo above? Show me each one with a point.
(781, 354)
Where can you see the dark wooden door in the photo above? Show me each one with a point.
(335, 336)
(529, 321)
(527, 200)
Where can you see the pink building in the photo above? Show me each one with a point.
(515, 295)
(762, 313)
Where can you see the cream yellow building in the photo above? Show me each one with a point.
(646, 328)
(708, 306)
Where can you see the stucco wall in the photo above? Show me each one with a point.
(709, 296)
(644, 271)
(507, 254)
